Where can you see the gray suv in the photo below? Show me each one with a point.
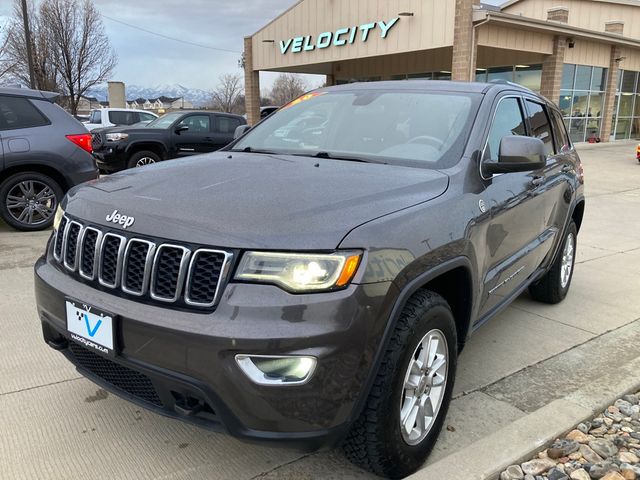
(44, 151)
(313, 283)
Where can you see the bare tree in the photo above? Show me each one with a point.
(228, 94)
(71, 51)
(286, 88)
(6, 64)
(82, 56)
(46, 76)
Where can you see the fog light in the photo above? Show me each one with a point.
(277, 370)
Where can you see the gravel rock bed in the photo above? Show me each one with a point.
(607, 448)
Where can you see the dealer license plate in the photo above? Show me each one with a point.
(90, 327)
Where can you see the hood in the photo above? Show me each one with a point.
(244, 200)
(127, 129)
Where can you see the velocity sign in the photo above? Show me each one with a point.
(339, 38)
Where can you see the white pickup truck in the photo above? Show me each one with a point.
(111, 117)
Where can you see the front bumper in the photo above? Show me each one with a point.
(187, 359)
(110, 159)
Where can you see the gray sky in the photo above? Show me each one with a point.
(148, 60)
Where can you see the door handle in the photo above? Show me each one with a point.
(537, 180)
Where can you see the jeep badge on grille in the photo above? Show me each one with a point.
(120, 219)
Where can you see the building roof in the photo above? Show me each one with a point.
(546, 26)
(508, 3)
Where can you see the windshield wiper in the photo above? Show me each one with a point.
(332, 156)
(253, 150)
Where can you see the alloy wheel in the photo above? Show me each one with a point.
(424, 387)
(145, 161)
(567, 260)
(31, 202)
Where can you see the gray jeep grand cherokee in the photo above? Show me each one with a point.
(312, 284)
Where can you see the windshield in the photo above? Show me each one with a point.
(369, 125)
(165, 121)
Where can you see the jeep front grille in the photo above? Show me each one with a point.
(142, 268)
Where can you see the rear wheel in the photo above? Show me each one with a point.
(142, 158)
(554, 286)
(410, 397)
(28, 201)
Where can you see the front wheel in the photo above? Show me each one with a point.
(410, 397)
(554, 286)
(28, 201)
(142, 158)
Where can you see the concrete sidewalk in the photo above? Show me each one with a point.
(57, 424)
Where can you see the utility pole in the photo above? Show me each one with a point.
(27, 39)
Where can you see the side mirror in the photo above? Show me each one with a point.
(518, 154)
(240, 131)
(181, 128)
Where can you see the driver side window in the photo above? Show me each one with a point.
(508, 120)
(197, 123)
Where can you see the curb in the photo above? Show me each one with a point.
(488, 457)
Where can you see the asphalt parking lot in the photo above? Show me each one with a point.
(55, 424)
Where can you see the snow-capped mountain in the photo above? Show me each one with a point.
(198, 97)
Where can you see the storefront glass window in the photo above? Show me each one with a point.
(423, 76)
(599, 79)
(583, 78)
(568, 75)
(500, 73)
(626, 113)
(442, 76)
(628, 81)
(581, 100)
(529, 76)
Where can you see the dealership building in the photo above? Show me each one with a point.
(582, 54)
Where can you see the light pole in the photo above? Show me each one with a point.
(27, 39)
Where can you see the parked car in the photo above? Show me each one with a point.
(313, 290)
(266, 111)
(638, 152)
(82, 118)
(44, 152)
(175, 134)
(113, 117)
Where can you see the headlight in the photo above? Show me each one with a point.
(116, 137)
(58, 217)
(299, 272)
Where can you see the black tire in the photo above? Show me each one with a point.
(550, 288)
(136, 158)
(44, 207)
(375, 441)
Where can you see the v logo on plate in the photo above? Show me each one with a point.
(91, 331)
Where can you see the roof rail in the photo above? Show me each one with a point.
(502, 81)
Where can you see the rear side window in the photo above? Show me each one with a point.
(227, 124)
(508, 120)
(123, 118)
(540, 127)
(146, 117)
(96, 117)
(17, 112)
(563, 144)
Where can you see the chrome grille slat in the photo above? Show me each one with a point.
(59, 239)
(197, 277)
(89, 250)
(110, 260)
(70, 245)
(164, 272)
(130, 284)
